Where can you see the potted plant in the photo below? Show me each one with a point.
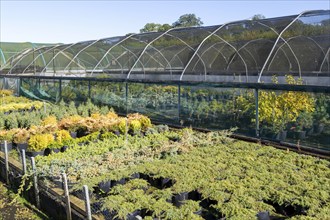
(71, 123)
(135, 126)
(50, 124)
(303, 123)
(320, 115)
(6, 135)
(277, 109)
(21, 138)
(61, 137)
(38, 143)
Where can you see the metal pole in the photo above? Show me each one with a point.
(256, 94)
(179, 101)
(89, 89)
(60, 90)
(6, 162)
(67, 197)
(34, 63)
(126, 97)
(24, 161)
(35, 182)
(87, 203)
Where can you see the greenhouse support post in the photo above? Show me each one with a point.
(6, 162)
(126, 97)
(179, 101)
(89, 89)
(66, 197)
(35, 182)
(87, 203)
(256, 93)
(19, 86)
(60, 89)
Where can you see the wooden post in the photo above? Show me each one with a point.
(87, 203)
(35, 182)
(24, 161)
(6, 162)
(67, 197)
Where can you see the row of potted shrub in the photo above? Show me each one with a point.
(51, 133)
(10, 103)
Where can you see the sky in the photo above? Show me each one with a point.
(59, 21)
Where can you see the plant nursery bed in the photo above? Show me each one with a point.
(197, 176)
(16, 209)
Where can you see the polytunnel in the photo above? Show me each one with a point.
(241, 51)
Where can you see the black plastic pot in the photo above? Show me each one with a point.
(9, 146)
(299, 135)
(22, 146)
(136, 215)
(56, 150)
(179, 198)
(47, 151)
(34, 153)
(105, 186)
(318, 128)
(263, 215)
(281, 136)
(118, 182)
(73, 134)
(63, 149)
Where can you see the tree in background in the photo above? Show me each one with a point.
(186, 20)
(149, 27)
(257, 17)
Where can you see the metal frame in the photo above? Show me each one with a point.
(189, 52)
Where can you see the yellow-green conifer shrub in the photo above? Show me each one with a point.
(21, 136)
(135, 126)
(40, 142)
(279, 108)
(5, 92)
(62, 135)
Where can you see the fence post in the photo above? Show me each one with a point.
(256, 95)
(35, 182)
(6, 162)
(87, 203)
(24, 161)
(67, 197)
